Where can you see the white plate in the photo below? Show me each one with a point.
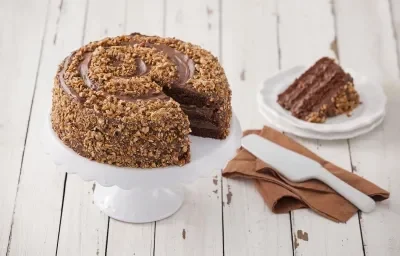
(369, 112)
(286, 127)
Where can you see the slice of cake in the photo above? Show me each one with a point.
(324, 90)
(133, 100)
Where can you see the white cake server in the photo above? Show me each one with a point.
(298, 168)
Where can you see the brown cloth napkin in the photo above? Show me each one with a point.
(282, 195)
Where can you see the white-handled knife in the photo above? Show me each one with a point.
(298, 168)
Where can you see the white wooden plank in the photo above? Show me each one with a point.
(196, 22)
(196, 229)
(394, 6)
(307, 32)
(38, 205)
(136, 239)
(101, 22)
(80, 214)
(130, 239)
(83, 227)
(366, 43)
(249, 55)
(138, 18)
(18, 67)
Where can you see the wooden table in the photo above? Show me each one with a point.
(44, 212)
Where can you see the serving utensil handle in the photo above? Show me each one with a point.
(356, 197)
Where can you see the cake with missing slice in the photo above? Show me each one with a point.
(324, 90)
(132, 100)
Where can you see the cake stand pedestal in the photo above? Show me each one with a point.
(144, 195)
(138, 205)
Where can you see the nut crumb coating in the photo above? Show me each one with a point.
(157, 138)
(344, 102)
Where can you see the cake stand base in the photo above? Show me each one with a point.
(138, 205)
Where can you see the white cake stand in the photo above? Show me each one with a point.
(144, 195)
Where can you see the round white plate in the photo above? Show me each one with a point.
(288, 128)
(369, 112)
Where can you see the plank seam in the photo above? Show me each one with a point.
(361, 233)
(333, 11)
(85, 21)
(60, 6)
(164, 28)
(222, 215)
(220, 30)
(126, 16)
(359, 214)
(27, 127)
(154, 239)
(108, 228)
(291, 219)
(62, 210)
(278, 39)
(395, 35)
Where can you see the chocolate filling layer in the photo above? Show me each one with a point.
(196, 123)
(319, 95)
(311, 80)
(197, 112)
(200, 117)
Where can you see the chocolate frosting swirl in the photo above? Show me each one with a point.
(184, 65)
(69, 90)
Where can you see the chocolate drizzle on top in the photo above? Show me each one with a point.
(184, 64)
(64, 86)
(141, 67)
(84, 71)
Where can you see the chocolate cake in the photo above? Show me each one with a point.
(133, 100)
(324, 90)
